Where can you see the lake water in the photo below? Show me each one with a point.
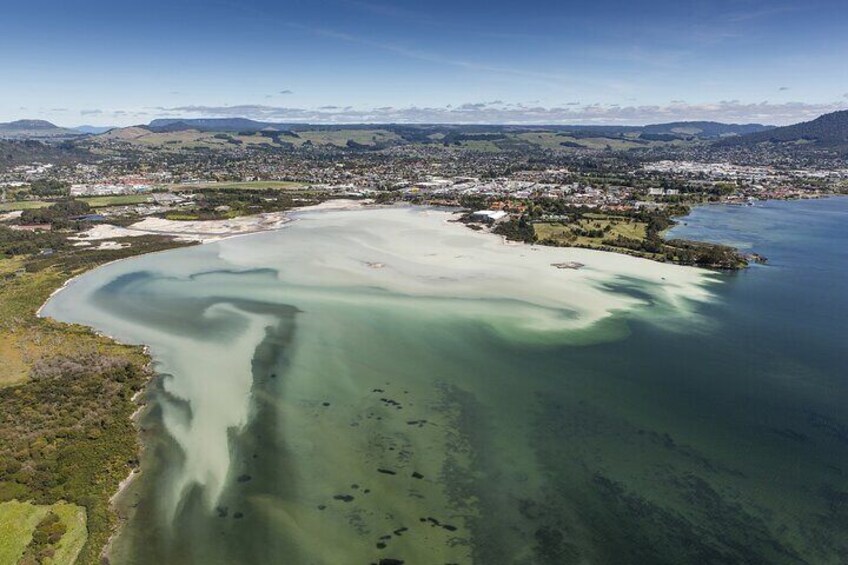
(385, 384)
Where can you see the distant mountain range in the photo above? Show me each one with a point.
(210, 124)
(31, 125)
(34, 129)
(93, 130)
(682, 130)
(827, 131)
(704, 129)
(24, 129)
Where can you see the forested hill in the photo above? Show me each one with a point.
(829, 131)
(32, 129)
(21, 152)
(704, 129)
(700, 130)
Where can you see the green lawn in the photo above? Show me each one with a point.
(19, 519)
(93, 201)
(339, 138)
(17, 522)
(23, 205)
(571, 234)
(616, 227)
(71, 544)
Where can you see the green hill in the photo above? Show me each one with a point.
(33, 129)
(827, 131)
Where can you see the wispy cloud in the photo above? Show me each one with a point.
(517, 113)
(391, 11)
(407, 16)
(750, 15)
(553, 79)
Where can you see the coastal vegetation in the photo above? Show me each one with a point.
(66, 400)
(639, 234)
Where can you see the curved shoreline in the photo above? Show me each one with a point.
(129, 479)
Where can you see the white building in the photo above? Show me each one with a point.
(489, 216)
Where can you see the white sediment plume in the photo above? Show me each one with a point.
(428, 265)
(214, 379)
(425, 256)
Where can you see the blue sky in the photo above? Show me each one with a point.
(599, 61)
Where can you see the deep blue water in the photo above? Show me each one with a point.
(722, 442)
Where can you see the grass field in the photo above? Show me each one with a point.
(340, 138)
(72, 542)
(19, 519)
(118, 200)
(17, 522)
(23, 205)
(591, 231)
(14, 368)
(613, 227)
(181, 216)
(547, 139)
(93, 201)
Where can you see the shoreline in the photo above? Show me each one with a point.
(128, 481)
(202, 241)
(126, 489)
(134, 473)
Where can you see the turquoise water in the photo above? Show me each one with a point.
(315, 410)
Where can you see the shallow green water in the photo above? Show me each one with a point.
(330, 398)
